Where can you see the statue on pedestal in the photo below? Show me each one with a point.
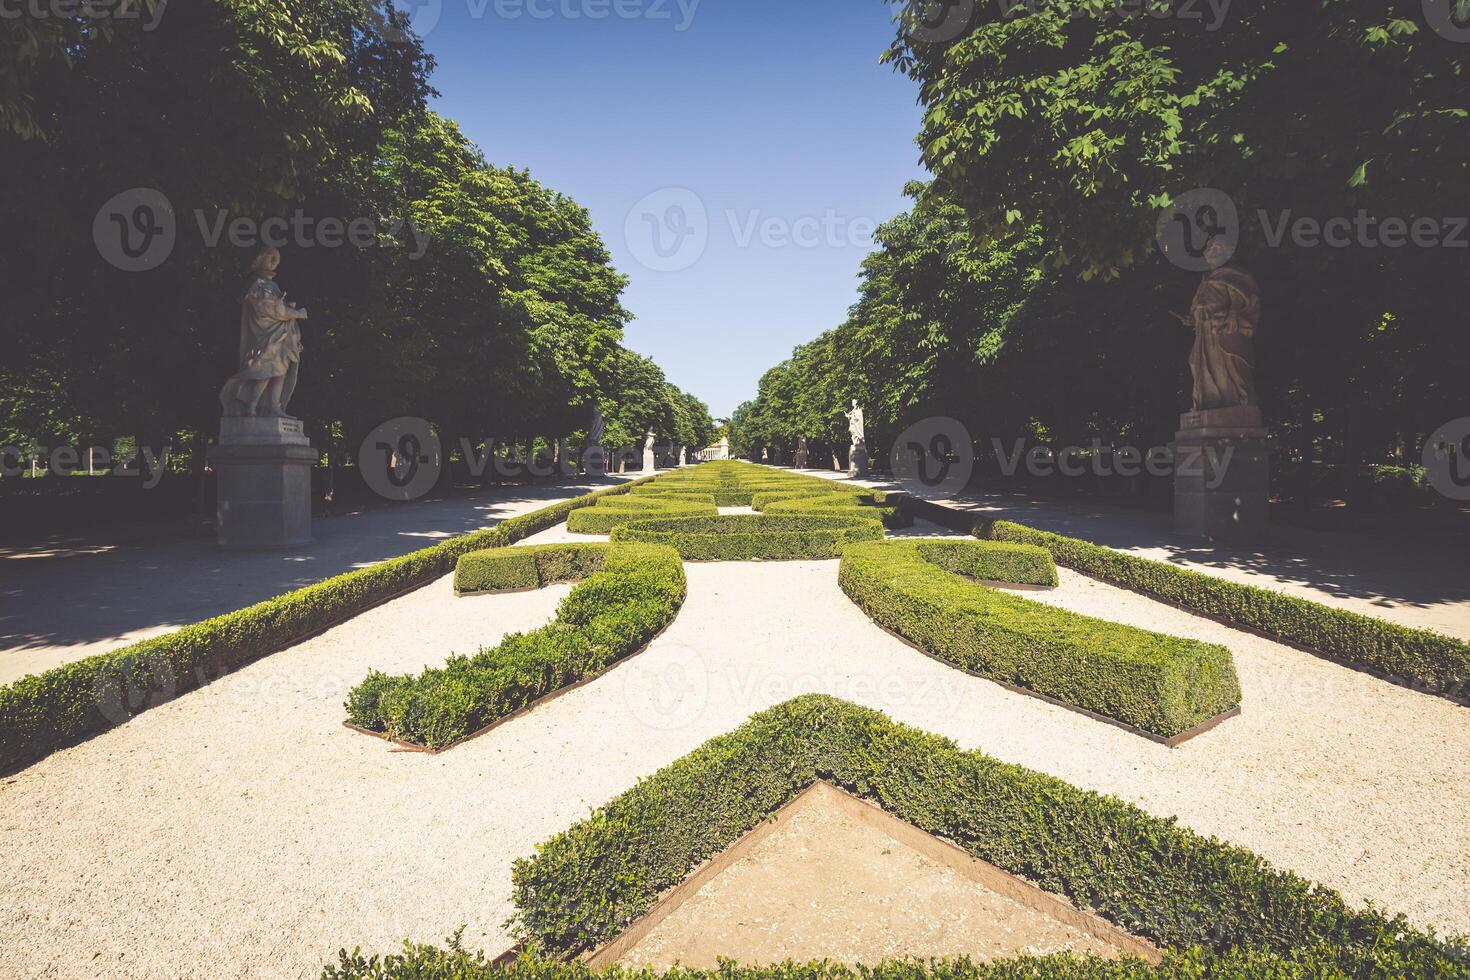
(270, 346)
(802, 455)
(1224, 314)
(594, 455)
(857, 464)
(648, 460)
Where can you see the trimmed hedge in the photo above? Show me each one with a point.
(1421, 659)
(1193, 895)
(752, 537)
(526, 567)
(419, 962)
(44, 712)
(892, 510)
(1159, 684)
(612, 512)
(634, 592)
(732, 484)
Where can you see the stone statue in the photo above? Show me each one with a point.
(270, 345)
(1224, 314)
(648, 460)
(802, 455)
(855, 424)
(857, 459)
(594, 455)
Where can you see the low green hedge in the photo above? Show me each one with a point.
(752, 537)
(830, 492)
(892, 510)
(1417, 658)
(726, 495)
(633, 593)
(421, 962)
(44, 712)
(1193, 895)
(1159, 684)
(526, 567)
(611, 512)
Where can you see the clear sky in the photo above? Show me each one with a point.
(734, 154)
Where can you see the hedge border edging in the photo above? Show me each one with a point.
(68, 704)
(1336, 635)
(1181, 890)
(797, 539)
(1170, 696)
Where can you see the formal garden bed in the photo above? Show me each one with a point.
(753, 537)
(628, 593)
(933, 594)
(1212, 908)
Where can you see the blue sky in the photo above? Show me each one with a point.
(760, 141)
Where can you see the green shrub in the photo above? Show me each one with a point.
(752, 537)
(612, 512)
(892, 510)
(526, 567)
(630, 596)
(1418, 658)
(1145, 874)
(43, 712)
(1159, 684)
(419, 962)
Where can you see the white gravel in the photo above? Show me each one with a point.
(242, 831)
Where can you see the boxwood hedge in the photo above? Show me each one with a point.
(892, 509)
(752, 537)
(1194, 896)
(44, 712)
(632, 593)
(1421, 659)
(612, 511)
(418, 961)
(926, 593)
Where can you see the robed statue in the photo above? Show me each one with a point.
(1224, 314)
(270, 345)
(855, 424)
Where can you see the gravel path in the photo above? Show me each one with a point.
(242, 831)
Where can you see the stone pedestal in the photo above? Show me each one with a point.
(648, 463)
(1222, 474)
(263, 483)
(857, 461)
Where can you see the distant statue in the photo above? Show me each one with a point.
(648, 459)
(802, 454)
(857, 458)
(855, 424)
(1224, 314)
(270, 345)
